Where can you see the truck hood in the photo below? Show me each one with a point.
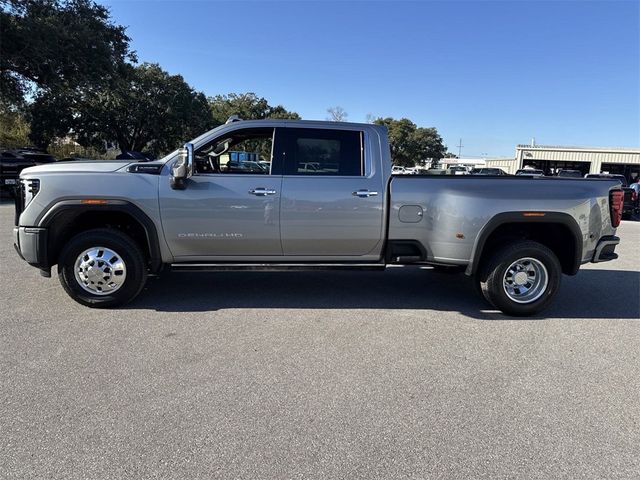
(79, 166)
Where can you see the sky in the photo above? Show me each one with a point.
(494, 74)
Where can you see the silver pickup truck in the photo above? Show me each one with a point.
(277, 194)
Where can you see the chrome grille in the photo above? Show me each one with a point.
(25, 190)
(19, 201)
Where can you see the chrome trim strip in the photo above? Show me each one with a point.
(277, 265)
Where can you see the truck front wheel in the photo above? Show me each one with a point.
(521, 279)
(102, 268)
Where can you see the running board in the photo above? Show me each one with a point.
(272, 267)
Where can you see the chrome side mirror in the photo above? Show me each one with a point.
(183, 167)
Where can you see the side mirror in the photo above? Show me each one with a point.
(182, 167)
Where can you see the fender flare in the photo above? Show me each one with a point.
(504, 218)
(74, 208)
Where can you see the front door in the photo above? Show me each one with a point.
(231, 205)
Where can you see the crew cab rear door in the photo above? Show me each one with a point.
(332, 199)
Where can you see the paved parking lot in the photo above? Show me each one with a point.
(402, 374)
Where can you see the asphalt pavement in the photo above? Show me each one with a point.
(291, 375)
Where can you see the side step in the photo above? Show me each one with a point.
(406, 259)
(272, 267)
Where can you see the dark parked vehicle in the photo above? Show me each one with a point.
(76, 159)
(533, 172)
(131, 155)
(570, 173)
(621, 178)
(12, 162)
(635, 197)
(488, 171)
(630, 196)
(245, 167)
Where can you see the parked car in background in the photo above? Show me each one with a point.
(531, 172)
(488, 171)
(36, 156)
(457, 170)
(635, 197)
(266, 165)
(252, 167)
(12, 162)
(76, 159)
(630, 195)
(569, 173)
(611, 176)
(397, 170)
(131, 155)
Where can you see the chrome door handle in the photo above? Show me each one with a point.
(261, 191)
(364, 193)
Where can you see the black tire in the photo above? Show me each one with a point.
(492, 277)
(125, 246)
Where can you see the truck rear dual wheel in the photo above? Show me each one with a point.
(521, 279)
(102, 268)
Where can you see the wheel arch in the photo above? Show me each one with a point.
(551, 229)
(68, 218)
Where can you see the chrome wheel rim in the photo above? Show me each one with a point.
(100, 271)
(525, 280)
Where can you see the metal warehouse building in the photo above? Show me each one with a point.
(551, 158)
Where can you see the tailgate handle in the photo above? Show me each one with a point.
(261, 191)
(364, 193)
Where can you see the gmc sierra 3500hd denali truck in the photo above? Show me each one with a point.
(314, 195)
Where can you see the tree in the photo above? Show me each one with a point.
(247, 106)
(50, 45)
(428, 144)
(411, 145)
(144, 109)
(14, 129)
(337, 114)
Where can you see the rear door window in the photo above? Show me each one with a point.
(311, 151)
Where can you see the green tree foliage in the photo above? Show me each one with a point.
(14, 129)
(57, 45)
(248, 106)
(411, 145)
(143, 109)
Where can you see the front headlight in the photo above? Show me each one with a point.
(30, 188)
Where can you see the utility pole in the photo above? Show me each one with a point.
(460, 148)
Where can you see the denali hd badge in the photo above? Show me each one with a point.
(206, 235)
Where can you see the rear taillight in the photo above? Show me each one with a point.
(616, 200)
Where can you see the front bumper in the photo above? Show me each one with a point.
(605, 250)
(31, 245)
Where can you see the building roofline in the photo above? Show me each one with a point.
(579, 149)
